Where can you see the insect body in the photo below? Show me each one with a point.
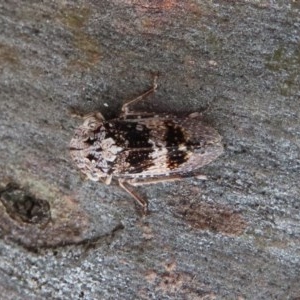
(143, 148)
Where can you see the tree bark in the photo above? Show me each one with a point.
(232, 236)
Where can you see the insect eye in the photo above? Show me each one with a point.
(92, 124)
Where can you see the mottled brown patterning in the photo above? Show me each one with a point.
(143, 148)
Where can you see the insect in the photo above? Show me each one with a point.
(139, 148)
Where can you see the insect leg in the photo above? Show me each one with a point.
(125, 107)
(172, 178)
(134, 182)
(139, 200)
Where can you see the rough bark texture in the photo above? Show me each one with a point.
(234, 236)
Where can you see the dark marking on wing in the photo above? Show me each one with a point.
(139, 160)
(128, 135)
(176, 157)
(174, 135)
(91, 157)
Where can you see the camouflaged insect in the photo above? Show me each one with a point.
(143, 148)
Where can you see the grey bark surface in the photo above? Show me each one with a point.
(233, 236)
